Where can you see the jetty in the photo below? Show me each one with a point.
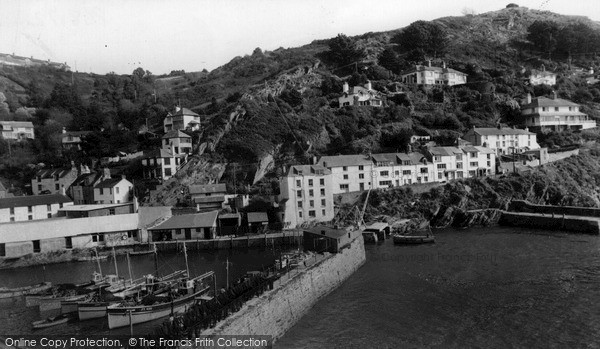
(521, 213)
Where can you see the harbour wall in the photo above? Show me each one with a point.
(586, 225)
(276, 311)
(524, 206)
(284, 238)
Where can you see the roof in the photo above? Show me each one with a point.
(2, 188)
(182, 111)
(75, 133)
(176, 134)
(470, 149)
(158, 153)
(549, 102)
(419, 68)
(484, 150)
(493, 131)
(109, 183)
(303, 170)
(326, 231)
(207, 219)
(542, 72)
(385, 157)
(51, 172)
(92, 207)
(377, 226)
(254, 217)
(17, 124)
(344, 160)
(33, 200)
(229, 216)
(208, 188)
(445, 151)
(86, 179)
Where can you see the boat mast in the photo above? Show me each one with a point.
(129, 267)
(115, 259)
(155, 261)
(98, 261)
(187, 268)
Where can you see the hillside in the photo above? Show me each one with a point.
(273, 108)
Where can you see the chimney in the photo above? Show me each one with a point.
(543, 67)
(553, 94)
(123, 176)
(105, 173)
(368, 85)
(429, 63)
(345, 88)
(591, 71)
(314, 160)
(528, 98)
(444, 64)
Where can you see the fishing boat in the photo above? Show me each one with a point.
(25, 290)
(139, 253)
(51, 321)
(90, 258)
(157, 306)
(413, 239)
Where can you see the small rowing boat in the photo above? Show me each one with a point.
(413, 239)
(51, 321)
(20, 291)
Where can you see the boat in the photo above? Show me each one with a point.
(51, 321)
(155, 307)
(25, 290)
(90, 258)
(413, 239)
(139, 253)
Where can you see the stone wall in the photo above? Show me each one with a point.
(276, 311)
(551, 222)
(524, 206)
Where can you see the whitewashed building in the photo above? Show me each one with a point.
(181, 119)
(503, 140)
(16, 130)
(360, 96)
(34, 207)
(431, 75)
(554, 114)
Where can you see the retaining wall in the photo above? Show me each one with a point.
(525, 206)
(274, 312)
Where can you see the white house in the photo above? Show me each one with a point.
(178, 142)
(181, 119)
(113, 191)
(555, 114)
(348, 172)
(27, 208)
(428, 75)
(306, 194)
(360, 96)
(502, 140)
(16, 130)
(542, 77)
(160, 164)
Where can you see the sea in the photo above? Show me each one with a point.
(475, 288)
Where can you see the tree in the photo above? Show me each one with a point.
(343, 50)
(543, 36)
(389, 60)
(429, 37)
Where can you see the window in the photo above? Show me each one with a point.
(361, 176)
(345, 176)
(101, 237)
(30, 217)
(423, 169)
(322, 181)
(298, 183)
(12, 219)
(459, 156)
(361, 167)
(68, 242)
(40, 188)
(36, 246)
(299, 204)
(322, 192)
(323, 212)
(459, 174)
(111, 211)
(132, 234)
(312, 214)
(385, 183)
(56, 186)
(310, 182)
(167, 161)
(471, 173)
(12, 210)
(489, 156)
(312, 203)
(473, 164)
(49, 215)
(397, 173)
(555, 108)
(384, 173)
(168, 172)
(343, 186)
(29, 209)
(345, 168)
(101, 191)
(2, 250)
(299, 193)
(117, 190)
(459, 165)
(474, 154)
(441, 166)
(49, 207)
(407, 172)
(178, 231)
(323, 202)
(94, 238)
(440, 175)
(406, 162)
(311, 193)
(437, 158)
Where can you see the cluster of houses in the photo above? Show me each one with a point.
(20, 61)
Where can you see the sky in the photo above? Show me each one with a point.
(101, 36)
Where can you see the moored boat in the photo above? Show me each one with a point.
(51, 321)
(155, 307)
(413, 239)
(25, 290)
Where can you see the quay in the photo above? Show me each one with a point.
(584, 220)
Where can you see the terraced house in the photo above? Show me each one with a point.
(503, 140)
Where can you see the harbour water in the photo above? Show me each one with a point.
(16, 318)
(493, 287)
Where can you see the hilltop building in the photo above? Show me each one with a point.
(554, 114)
(178, 142)
(429, 75)
(72, 139)
(181, 119)
(360, 96)
(542, 77)
(27, 208)
(502, 140)
(13, 60)
(16, 130)
(307, 195)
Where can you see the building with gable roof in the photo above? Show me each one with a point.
(306, 195)
(113, 190)
(503, 140)
(16, 130)
(542, 77)
(348, 172)
(360, 96)
(82, 189)
(186, 227)
(181, 119)
(160, 164)
(554, 114)
(72, 139)
(55, 180)
(209, 197)
(428, 75)
(34, 207)
(178, 142)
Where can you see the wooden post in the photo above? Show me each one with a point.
(130, 324)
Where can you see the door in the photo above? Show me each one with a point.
(361, 186)
(188, 233)
(36, 246)
(207, 234)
